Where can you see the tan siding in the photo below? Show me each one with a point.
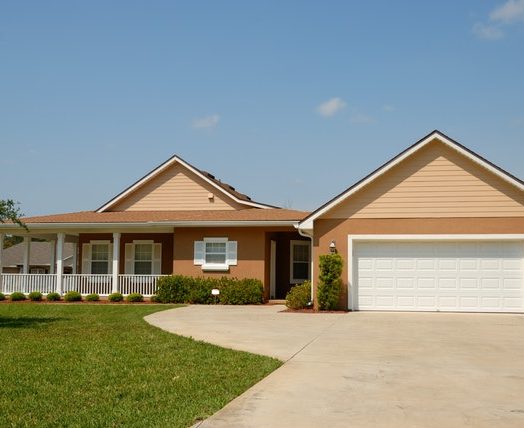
(436, 182)
(176, 189)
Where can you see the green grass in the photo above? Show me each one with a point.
(104, 366)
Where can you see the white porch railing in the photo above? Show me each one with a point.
(27, 282)
(143, 284)
(83, 283)
(88, 283)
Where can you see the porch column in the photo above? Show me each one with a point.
(116, 260)
(1, 254)
(27, 253)
(75, 257)
(52, 262)
(59, 261)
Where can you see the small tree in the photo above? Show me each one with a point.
(9, 211)
(330, 282)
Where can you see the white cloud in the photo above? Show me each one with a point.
(508, 13)
(388, 107)
(362, 119)
(511, 11)
(487, 31)
(331, 107)
(206, 122)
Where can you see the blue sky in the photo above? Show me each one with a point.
(291, 102)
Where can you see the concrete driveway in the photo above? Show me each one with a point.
(368, 369)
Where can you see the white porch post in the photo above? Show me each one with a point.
(52, 262)
(59, 261)
(27, 254)
(116, 260)
(75, 257)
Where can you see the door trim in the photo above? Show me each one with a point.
(273, 270)
(352, 239)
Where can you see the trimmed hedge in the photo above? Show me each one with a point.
(72, 296)
(299, 296)
(187, 289)
(93, 297)
(53, 297)
(35, 296)
(115, 297)
(17, 296)
(330, 283)
(134, 297)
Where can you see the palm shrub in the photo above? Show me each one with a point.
(330, 283)
(299, 297)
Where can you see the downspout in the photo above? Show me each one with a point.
(310, 236)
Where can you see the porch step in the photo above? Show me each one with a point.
(276, 302)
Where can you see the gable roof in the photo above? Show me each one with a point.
(224, 188)
(307, 223)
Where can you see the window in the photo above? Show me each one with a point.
(37, 270)
(215, 254)
(299, 261)
(143, 259)
(99, 258)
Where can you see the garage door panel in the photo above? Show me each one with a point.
(447, 276)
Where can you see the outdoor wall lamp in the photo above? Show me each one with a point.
(333, 247)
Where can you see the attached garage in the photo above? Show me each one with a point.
(437, 228)
(463, 275)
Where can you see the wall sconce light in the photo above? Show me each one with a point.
(333, 247)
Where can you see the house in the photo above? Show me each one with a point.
(437, 228)
(41, 258)
(176, 219)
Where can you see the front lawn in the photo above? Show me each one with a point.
(103, 365)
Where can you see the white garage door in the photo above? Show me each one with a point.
(471, 276)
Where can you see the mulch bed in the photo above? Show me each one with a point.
(311, 311)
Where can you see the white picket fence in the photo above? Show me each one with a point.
(83, 283)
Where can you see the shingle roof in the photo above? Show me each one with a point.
(250, 214)
(40, 254)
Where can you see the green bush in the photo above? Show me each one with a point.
(174, 289)
(35, 296)
(115, 297)
(330, 283)
(241, 291)
(200, 292)
(93, 297)
(2, 296)
(73, 296)
(53, 297)
(299, 297)
(135, 297)
(154, 299)
(17, 296)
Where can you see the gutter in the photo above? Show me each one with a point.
(308, 234)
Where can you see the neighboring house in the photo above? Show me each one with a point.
(437, 228)
(41, 258)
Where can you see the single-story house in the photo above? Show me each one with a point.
(437, 228)
(41, 258)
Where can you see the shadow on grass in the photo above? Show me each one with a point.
(25, 322)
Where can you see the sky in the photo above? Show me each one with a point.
(289, 101)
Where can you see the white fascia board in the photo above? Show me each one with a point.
(161, 168)
(440, 237)
(308, 222)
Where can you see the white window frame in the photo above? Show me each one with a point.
(109, 256)
(292, 244)
(149, 242)
(201, 255)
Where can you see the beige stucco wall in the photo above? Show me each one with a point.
(338, 230)
(435, 182)
(176, 188)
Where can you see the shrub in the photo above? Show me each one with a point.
(35, 296)
(329, 281)
(174, 289)
(154, 299)
(135, 297)
(115, 297)
(93, 297)
(2, 296)
(200, 292)
(17, 296)
(299, 296)
(241, 291)
(53, 297)
(73, 296)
